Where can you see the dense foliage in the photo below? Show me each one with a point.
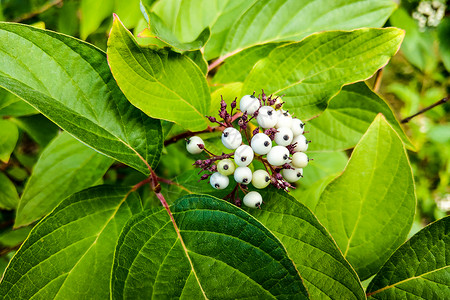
(100, 199)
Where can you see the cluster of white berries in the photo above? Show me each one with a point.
(429, 13)
(279, 147)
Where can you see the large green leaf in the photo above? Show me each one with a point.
(369, 209)
(312, 71)
(38, 128)
(66, 166)
(93, 12)
(162, 83)
(347, 117)
(69, 81)
(419, 269)
(224, 252)
(9, 134)
(13, 106)
(69, 254)
(8, 193)
(287, 20)
(319, 261)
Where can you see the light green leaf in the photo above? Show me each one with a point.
(229, 92)
(369, 209)
(8, 193)
(310, 195)
(325, 272)
(312, 71)
(9, 134)
(129, 11)
(198, 58)
(93, 12)
(13, 106)
(69, 81)
(321, 165)
(224, 252)
(347, 117)
(419, 269)
(288, 20)
(66, 166)
(162, 83)
(69, 254)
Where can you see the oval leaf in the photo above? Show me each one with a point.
(9, 134)
(347, 118)
(324, 270)
(287, 20)
(420, 268)
(312, 71)
(229, 253)
(8, 193)
(163, 84)
(66, 166)
(69, 254)
(369, 209)
(69, 81)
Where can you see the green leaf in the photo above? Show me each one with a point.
(38, 127)
(163, 84)
(223, 252)
(312, 71)
(288, 20)
(9, 134)
(347, 117)
(369, 209)
(69, 81)
(129, 11)
(13, 106)
(93, 12)
(8, 193)
(198, 58)
(325, 272)
(419, 269)
(66, 166)
(69, 254)
(444, 43)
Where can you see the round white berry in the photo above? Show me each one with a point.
(192, 145)
(253, 199)
(278, 156)
(302, 143)
(284, 136)
(226, 167)
(260, 179)
(243, 175)
(231, 138)
(249, 104)
(267, 117)
(284, 120)
(243, 155)
(219, 181)
(299, 160)
(261, 143)
(292, 175)
(297, 127)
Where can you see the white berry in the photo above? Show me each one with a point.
(243, 155)
(299, 160)
(297, 127)
(243, 175)
(249, 104)
(261, 143)
(231, 138)
(226, 167)
(192, 145)
(284, 120)
(302, 143)
(253, 199)
(278, 156)
(267, 117)
(284, 136)
(260, 179)
(292, 175)
(219, 181)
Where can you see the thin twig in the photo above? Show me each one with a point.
(221, 59)
(378, 77)
(187, 134)
(6, 250)
(443, 100)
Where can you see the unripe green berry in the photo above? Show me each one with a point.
(260, 179)
(226, 167)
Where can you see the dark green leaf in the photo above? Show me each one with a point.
(8, 193)
(312, 71)
(224, 252)
(369, 209)
(69, 254)
(13, 106)
(9, 134)
(38, 127)
(66, 166)
(70, 82)
(419, 269)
